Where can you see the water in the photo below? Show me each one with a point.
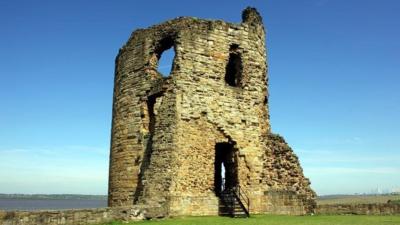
(50, 204)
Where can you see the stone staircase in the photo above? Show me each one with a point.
(234, 203)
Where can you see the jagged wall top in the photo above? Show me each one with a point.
(250, 15)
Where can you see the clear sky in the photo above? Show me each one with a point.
(334, 68)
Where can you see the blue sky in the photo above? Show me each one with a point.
(334, 87)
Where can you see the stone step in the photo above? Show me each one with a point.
(230, 205)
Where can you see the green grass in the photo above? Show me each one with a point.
(274, 220)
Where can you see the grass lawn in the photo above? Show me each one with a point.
(275, 220)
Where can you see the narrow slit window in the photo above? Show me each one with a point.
(234, 68)
(152, 120)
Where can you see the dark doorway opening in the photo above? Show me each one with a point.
(225, 174)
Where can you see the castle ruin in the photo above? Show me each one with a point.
(181, 143)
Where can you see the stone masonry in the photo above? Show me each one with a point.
(72, 216)
(172, 135)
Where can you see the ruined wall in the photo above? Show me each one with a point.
(138, 95)
(359, 209)
(71, 217)
(165, 130)
(288, 191)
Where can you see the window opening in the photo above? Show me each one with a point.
(234, 68)
(165, 53)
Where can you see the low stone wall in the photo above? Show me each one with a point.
(193, 205)
(360, 209)
(284, 203)
(71, 217)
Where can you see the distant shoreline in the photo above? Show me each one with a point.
(54, 196)
(104, 197)
(355, 195)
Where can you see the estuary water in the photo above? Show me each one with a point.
(50, 204)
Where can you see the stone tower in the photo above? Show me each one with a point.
(177, 140)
